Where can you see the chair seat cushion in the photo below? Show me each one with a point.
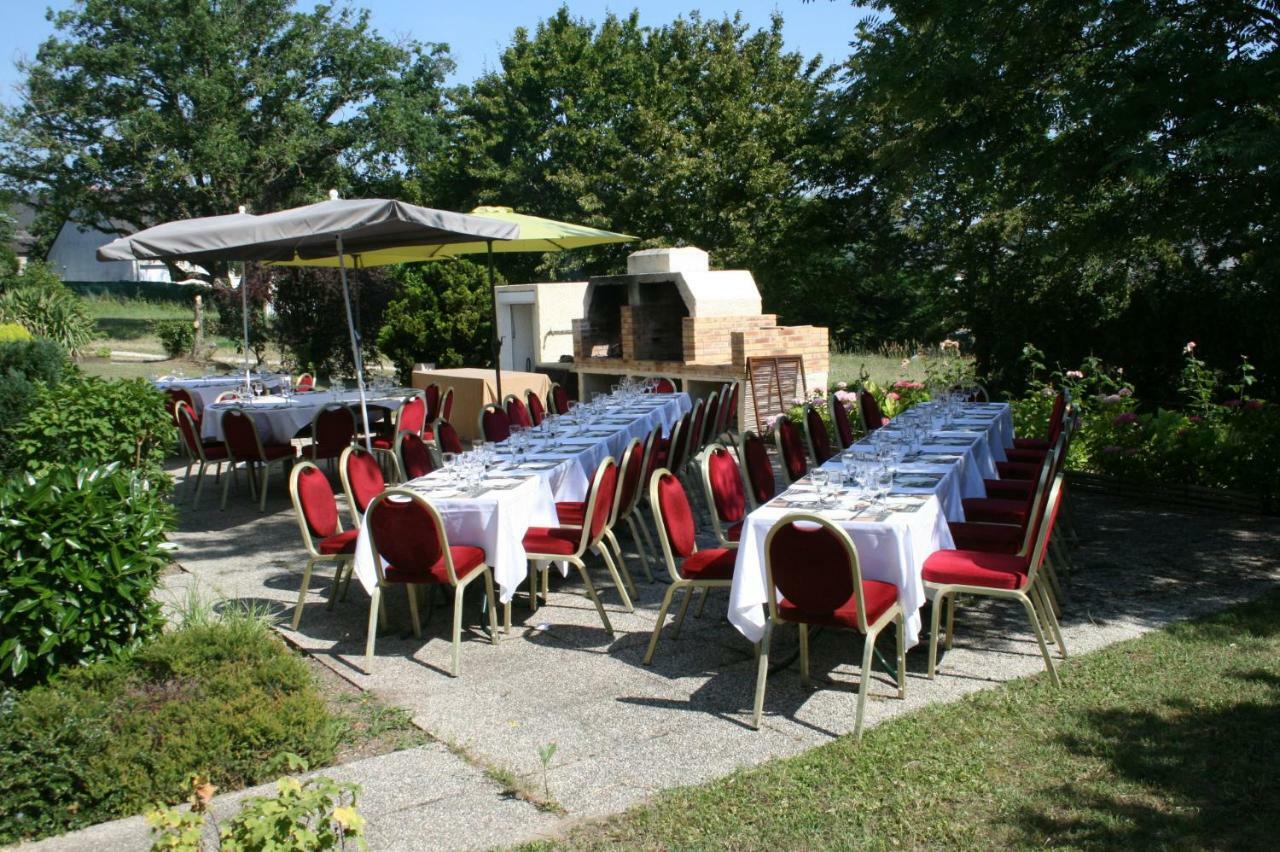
(713, 563)
(1010, 489)
(213, 451)
(879, 597)
(1018, 470)
(343, 542)
(989, 538)
(572, 513)
(994, 510)
(733, 532)
(279, 451)
(1031, 443)
(552, 541)
(465, 561)
(976, 568)
(1018, 456)
(381, 442)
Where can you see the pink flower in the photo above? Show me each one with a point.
(1254, 404)
(1125, 392)
(1189, 348)
(1125, 419)
(1111, 398)
(1074, 374)
(892, 397)
(846, 398)
(1111, 450)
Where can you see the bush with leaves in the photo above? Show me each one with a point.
(11, 332)
(85, 421)
(221, 695)
(82, 551)
(37, 300)
(230, 311)
(178, 337)
(24, 365)
(444, 314)
(310, 322)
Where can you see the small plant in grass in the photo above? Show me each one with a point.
(38, 300)
(545, 753)
(178, 337)
(11, 332)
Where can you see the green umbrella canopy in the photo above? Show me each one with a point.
(534, 234)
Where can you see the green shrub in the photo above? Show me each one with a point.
(38, 301)
(86, 421)
(177, 336)
(11, 332)
(82, 551)
(224, 698)
(22, 365)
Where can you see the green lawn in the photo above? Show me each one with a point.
(883, 369)
(1164, 741)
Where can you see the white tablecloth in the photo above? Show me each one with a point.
(206, 389)
(279, 419)
(495, 521)
(891, 548)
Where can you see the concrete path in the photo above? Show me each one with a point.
(624, 731)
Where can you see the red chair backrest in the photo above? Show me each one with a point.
(872, 416)
(694, 442)
(722, 412)
(726, 485)
(306, 382)
(811, 567)
(412, 416)
(405, 535)
(335, 428)
(679, 441)
(606, 485)
(710, 416)
(664, 385)
(818, 436)
(677, 516)
(844, 427)
(315, 498)
(517, 413)
(755, 456)
(791, 448)
(432, 396)
(364, 477)
(447, 437)
(1055, 418)
(659, 448)
(629, 484)
(415, 457)
(446, 405)
(177, 395)
(731, 410)
(495, 425)
(189, 428)
(560, 400)
(536, 409)
(240, 434)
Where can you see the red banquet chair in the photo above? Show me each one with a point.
(790, 448)
(446, 404)
(664, 385)
(407, 533)
(412, 417)
(814, 577)
(333, 428)
(240, 436)
(573, 513)
(413, 457)
(517, 412)
(844, 427)
(558, 399)
(447, 438)
(537, 411)
(570, 543)
(872, 417)
(705, 569)
(305, 384)
(1018, 577)
(757, 470)
(321, 529)
(710, 416)
(493, 423)
(678, 443)
(432, 397)
(815, 435)
(726, 495)
(361, 480)
(199, 452)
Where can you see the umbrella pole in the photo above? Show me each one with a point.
(355, 348)
(244, 318)
(497, 341)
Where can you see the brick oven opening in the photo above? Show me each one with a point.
(603, 327)
(653, 322)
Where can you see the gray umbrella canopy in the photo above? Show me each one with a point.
(345, 227)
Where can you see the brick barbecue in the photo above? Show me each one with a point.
(672, 315)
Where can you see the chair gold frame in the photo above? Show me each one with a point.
(870, 631)
(284, 461)
(195, 453)
(314, 556)
(782, 453)
(356, 515)
(809, 444)
(717, 523)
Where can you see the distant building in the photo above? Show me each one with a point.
(73, 254)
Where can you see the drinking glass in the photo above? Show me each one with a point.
(884, 482)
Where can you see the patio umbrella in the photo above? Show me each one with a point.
(534, 234)
(338, 228)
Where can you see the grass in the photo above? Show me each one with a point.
(883, 369)
(1168, 740)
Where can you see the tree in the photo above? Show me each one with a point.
(311, 320)
(690, 133)
(1096, 177)
(142, 111)
(443, 313)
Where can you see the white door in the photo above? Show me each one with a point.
(520, 349)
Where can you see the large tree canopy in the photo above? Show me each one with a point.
(1094, 176)
(690, 133)
(140, 111)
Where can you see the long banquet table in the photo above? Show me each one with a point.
(205, 389)
(519, 497)
(280, 418)
(892, 542)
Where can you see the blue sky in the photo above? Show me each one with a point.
(477, 32)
